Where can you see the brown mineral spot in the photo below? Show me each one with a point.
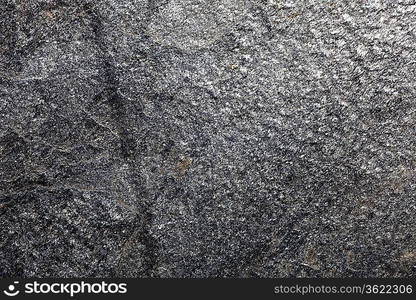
(400, 179)
(311, 259)
(332, 6)
(183, 165)
(352, 260)
(49, 14)
(408, 256)
(122, 203)
(294, 15)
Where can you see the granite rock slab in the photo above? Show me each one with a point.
(207, 138)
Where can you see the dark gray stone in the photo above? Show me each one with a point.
(204, 138)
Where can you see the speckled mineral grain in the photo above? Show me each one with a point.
(205, 138)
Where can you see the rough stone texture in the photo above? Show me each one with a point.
(204, 138)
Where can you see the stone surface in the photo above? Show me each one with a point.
(205, 138)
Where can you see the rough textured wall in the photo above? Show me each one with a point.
(202, 138)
